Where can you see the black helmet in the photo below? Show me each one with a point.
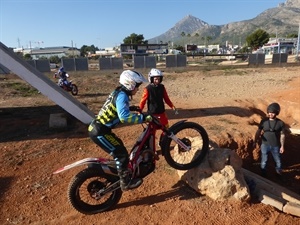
(273, 108)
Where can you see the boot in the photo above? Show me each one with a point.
(126, 183)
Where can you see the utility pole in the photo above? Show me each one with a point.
(30, 47)
(99, 43)
(39, 43)
(298, 42)
(72, 48)
(19, 45)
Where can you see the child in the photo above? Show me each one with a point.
(116, 110)
(155, 95)
(272, 132)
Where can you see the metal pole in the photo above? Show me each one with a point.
(298, 42)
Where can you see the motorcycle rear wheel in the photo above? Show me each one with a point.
(194, 136)
(85, 186)
(74, 89)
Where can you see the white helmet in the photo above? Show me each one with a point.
(155, 73)
(130, 79)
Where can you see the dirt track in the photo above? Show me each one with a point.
(228, 103)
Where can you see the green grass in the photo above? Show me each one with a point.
(22, 89)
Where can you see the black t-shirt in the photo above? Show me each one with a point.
(272, 130)
(155, 100)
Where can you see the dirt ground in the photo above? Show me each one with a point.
(228, 103)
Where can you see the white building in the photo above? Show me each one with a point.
(280, 45)
(37, 53)
(107, 52)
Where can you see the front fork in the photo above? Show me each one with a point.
(169, 134)
(179, 142)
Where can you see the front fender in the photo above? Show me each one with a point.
(176, 124)
(83, 162)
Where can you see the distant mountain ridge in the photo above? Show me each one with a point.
(281, 20)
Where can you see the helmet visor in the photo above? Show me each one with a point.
(137, 85)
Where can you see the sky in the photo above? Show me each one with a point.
(105, 23)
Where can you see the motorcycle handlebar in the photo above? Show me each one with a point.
(155, 119)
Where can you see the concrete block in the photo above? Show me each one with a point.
(271, 187)
(58, 120)
(270, 199)
(292, 208)
(294, 130)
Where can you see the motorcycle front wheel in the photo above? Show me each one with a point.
(192, 135)
(74, 89)
(85, 190)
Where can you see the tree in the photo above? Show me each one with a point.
(54, 59)
(27, 57)
(203, 39)
(84, 50)
(292, 35)
(182, 35)
(208, 38)
(257, 39)
(196, 36)
(135, 39)
(189, 37)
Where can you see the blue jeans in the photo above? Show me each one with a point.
(265, 149)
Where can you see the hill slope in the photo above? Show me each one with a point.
(281, 20)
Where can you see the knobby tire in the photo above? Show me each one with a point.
(183, 131)
(81, 187)
(74, 90)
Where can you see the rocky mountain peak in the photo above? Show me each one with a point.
(190, 23)
(292, 3)
(191, 19)
(282, 20)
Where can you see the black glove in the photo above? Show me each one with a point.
(134, 108)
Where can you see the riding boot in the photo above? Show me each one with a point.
(126, 183)
(124, 179)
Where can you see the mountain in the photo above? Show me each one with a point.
(281, 20)
(188, 25)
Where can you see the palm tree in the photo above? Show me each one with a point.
(208, 38)
(182, 35)
(203, 39)
(196, 36)
(189, 37)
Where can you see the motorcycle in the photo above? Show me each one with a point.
(70, 87)
(67, 85)
(96, 188)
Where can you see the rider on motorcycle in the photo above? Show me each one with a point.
(114, 111)
(62, 77)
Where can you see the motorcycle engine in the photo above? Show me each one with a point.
(147, 165)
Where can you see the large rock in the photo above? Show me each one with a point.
(219, 176)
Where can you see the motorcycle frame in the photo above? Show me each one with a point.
(148, 133)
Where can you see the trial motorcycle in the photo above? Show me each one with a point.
(96, 188)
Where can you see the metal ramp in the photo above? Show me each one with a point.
(47, 87)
